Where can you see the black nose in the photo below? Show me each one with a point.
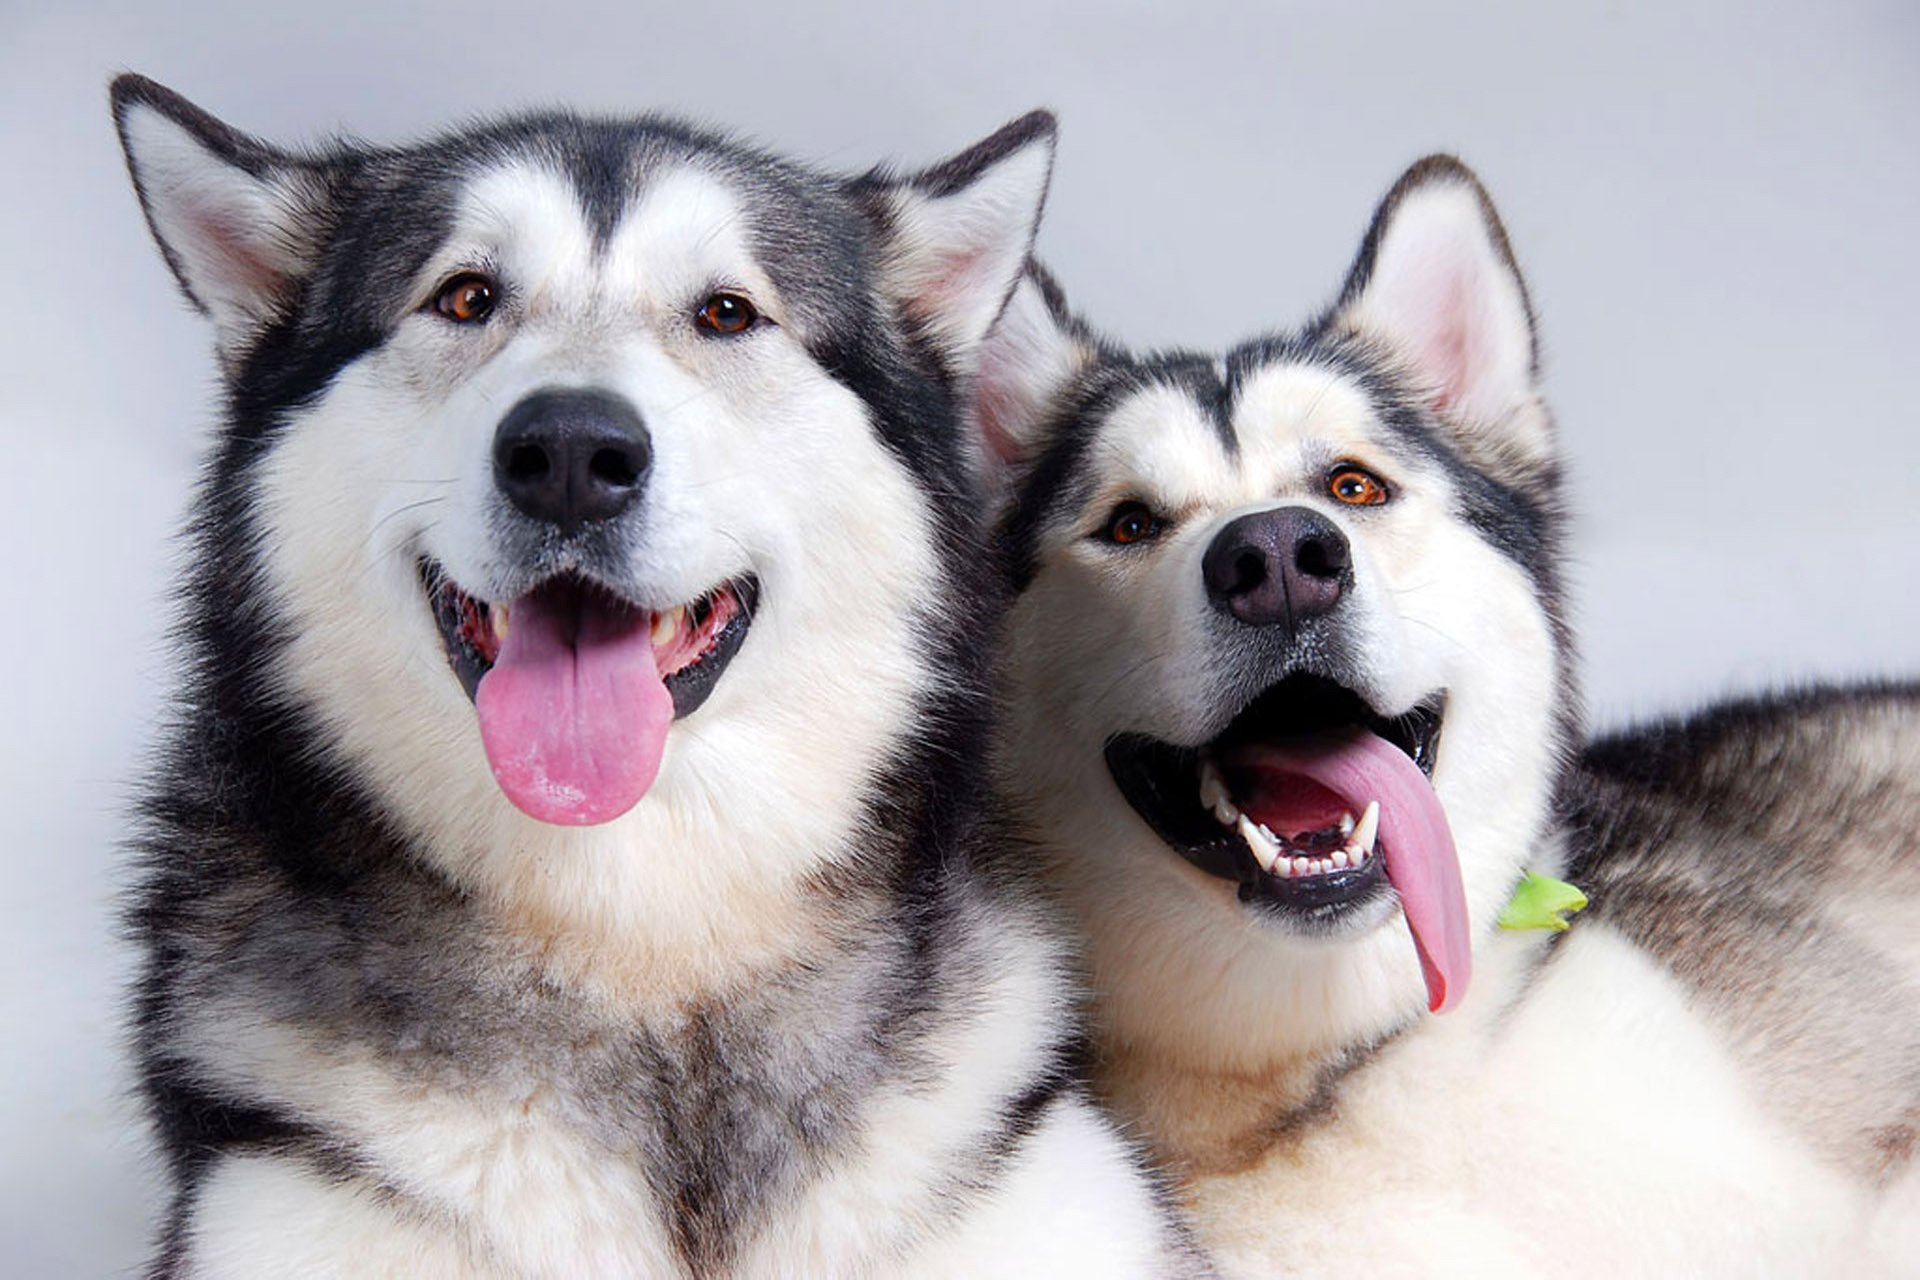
(1278, 567)
(572, 457)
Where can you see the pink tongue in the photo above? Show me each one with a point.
(574, 714)
(1414, 841)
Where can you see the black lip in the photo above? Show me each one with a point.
(1161, 780)
(692, 684)
(689, 687)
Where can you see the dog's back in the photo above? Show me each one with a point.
(1765, 850)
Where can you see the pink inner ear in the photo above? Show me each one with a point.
(232, 257)
(949, 288)
(1448, 341)
(996, 403)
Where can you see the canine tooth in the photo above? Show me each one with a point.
(1213, 788)
(1368, 829)
(1264, 850)
(667, 625)
(1339, 858)
(500, 623)
(1224, 813)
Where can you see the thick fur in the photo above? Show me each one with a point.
(1713, 1073)
(774, 1020)
(1764, 850)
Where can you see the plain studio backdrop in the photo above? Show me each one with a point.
(1715, 206)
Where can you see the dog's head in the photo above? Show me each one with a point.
(1285, 662)
(588, 472)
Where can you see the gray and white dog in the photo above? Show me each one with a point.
(565, 859)
(1289, 679)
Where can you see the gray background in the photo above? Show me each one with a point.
(1715, 205)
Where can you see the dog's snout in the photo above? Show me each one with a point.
(1278, 568)
(572, 457)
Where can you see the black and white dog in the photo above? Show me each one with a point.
(564, 862)
(1289, 680)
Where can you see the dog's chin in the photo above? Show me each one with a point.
(1301, 855)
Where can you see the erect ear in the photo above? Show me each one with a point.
(1436, 281)
(958, 234)
(237, 220)
(1031, 355)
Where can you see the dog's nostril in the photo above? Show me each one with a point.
(615, 467)
(527, 462)
(1249, 570)
(1316, 559)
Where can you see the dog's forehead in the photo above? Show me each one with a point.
(682, 226)
(526, 215)
(1163, 441)
(1288, 409)
(1183, 448)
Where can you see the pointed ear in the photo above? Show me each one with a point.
(1437, 282)
(958, 234)
(1032, 353)
(236, 219)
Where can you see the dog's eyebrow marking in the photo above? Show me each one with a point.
(1204, 380)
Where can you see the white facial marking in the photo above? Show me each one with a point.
(762, 462)
(1110, 640)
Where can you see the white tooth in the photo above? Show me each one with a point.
(1302, 866)
(1283, 868)
(1213, 788)
(1346, 824)
(667, 625)
(500, 623)
(1339, 858)
(1267, 831)
(1369, 828)
(1264, 850)
(1225, 813)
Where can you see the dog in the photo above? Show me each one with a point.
(569, 854)
(1291, 717)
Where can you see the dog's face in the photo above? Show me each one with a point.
(595, 473)
(1284, 659)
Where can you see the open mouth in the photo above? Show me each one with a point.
(576, 687)
(1317, 806)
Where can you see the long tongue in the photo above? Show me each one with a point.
(1414, 842)
(574, 714)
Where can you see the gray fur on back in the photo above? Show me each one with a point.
(1768, 852)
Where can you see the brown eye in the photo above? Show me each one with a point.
(1355, 487)
(726, 313)
(1132, 522)
(468, 298)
